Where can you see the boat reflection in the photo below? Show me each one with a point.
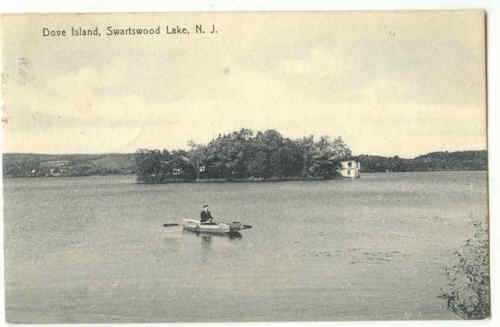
(206, 241)
(208, 236)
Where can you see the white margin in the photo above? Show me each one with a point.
(493, 39)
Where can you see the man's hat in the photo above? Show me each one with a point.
(205, 206)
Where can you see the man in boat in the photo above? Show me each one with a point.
(206, 216)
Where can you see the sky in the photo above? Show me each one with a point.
(388, 83)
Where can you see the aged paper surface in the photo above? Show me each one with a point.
(119, 129)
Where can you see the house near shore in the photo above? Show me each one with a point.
(349, 168)
(56, 167)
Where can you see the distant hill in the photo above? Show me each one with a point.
(39, 165)
(434, 161)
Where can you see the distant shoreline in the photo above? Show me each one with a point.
(19, 165)
(270, 180)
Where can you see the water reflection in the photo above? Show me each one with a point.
(207, 238)
(231, 236)
(206, 241)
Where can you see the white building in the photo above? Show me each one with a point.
(349, 168)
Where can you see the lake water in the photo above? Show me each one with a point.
(93, 249)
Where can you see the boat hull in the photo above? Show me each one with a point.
(196, 226)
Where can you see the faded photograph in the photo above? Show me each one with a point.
(257, 166)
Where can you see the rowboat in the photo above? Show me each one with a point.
(196, 226)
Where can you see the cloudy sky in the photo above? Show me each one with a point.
(388, 83)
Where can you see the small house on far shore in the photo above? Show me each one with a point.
(349, 168)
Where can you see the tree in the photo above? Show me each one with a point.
(148, 164)
(468, 289)
(258, 165)
(180, 167)
(307, 149)
(197, 156)
(290, 159)
(339, 150)
(327, 156)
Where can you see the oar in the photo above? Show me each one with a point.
(170, 225)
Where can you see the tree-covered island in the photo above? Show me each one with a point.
(244, 155)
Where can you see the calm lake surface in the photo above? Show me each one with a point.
(93, 249)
